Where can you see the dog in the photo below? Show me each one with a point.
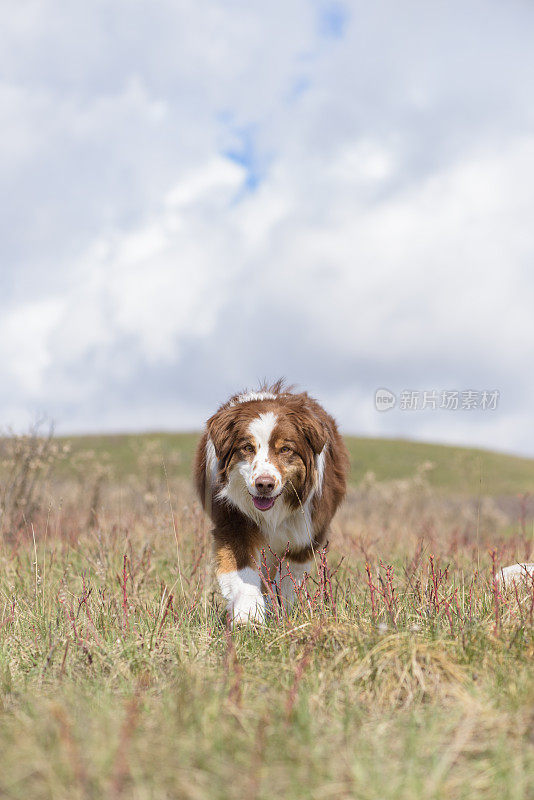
(270, 471)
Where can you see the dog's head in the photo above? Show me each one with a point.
(268, 452)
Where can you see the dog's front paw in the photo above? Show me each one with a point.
(242, 589)
(247, 608)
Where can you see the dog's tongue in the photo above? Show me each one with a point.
(263, 503)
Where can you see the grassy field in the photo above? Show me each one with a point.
(457, 469)
(403, 672)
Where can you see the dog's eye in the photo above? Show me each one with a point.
(285, 449)
(247, 448)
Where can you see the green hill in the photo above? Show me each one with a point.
(457, 469)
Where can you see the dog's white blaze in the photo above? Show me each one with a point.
(242, 589)
(248, 396)
(240, 482)
(261, 429)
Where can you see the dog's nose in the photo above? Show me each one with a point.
(264, 483)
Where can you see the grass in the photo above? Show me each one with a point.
(403, 672)
(455, 469)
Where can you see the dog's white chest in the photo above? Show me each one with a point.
(294, 530)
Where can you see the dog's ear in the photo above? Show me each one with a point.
(314, 431)
(221, 431)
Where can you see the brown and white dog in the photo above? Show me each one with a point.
(270, 471)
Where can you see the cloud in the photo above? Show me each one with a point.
(201, 198)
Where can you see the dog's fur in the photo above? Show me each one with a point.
(516, 574)
(270, 471)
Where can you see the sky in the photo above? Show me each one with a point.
(200, 196)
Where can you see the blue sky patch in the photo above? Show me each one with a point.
(245, 152)
(333, 18)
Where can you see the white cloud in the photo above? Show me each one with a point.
(24, 351)
(155, 284)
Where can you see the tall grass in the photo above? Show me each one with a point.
(404, 669)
